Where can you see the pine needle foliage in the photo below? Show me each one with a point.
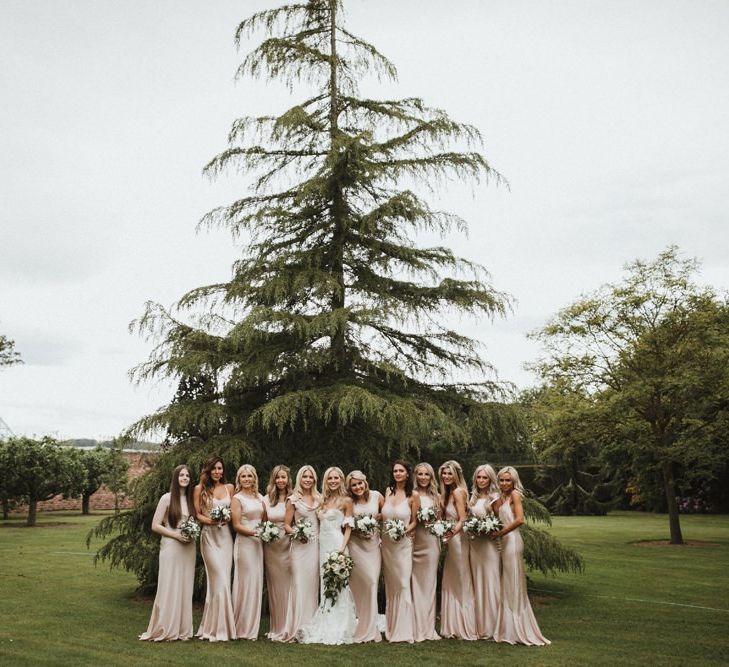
(330, 331)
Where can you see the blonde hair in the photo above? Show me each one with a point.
(359, 476)
(272, 489)
(493, 486)
(432, 488)
(341, 492)
(246, 467)
(514, 478)
(298, 493)
(458, 483)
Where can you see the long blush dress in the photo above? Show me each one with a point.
(172, 611)
(486, 575)
(397, 561)
(278, 570)
(304, 591)
(216, 547)
(515, 622)
(248, 573)
(457, 611)
(365, 553)
(424, 581)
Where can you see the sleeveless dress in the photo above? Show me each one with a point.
(426, 554)
(216, 547)
(304, 591)
(366, 574)
(278, 570)
(457, 612)
(397, 562)
(332, 624)
(515, 621)
(248, 575)
(172, 611)
(486, 574)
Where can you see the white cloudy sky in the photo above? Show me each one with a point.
(609, 118)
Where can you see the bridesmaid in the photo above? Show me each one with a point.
(426, 554)
(401, 502)
(303, 503)
(365, 551)
(457, 611)
(248, 512)
(515, 621)
(216, 547)
(485, 557)
(276, 554)
(172, 611)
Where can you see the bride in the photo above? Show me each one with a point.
(333, 623)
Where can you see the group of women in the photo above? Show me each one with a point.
(483, 588)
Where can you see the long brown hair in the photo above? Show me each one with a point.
(174, 511)
(206, 481)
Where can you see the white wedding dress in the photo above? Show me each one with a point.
(332, 624)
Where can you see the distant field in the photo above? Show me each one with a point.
(634, 605)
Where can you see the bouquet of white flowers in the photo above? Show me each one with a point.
(335, 573)
(395, 528)
(220, 513)
(481, 526)
(426, 514)
(267, 532)
(190, 528)
(365, 525)
(441, 527)
(303, 531)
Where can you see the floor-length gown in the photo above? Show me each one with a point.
(216, 547)
(424, 581)
(397, 562)
(332, 623)
(365, 552)
(457, 609)
(248, 573)
(172, 611)
(486, 575)
(278, 570)
(304, 559)
(515, 622)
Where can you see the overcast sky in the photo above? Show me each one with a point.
(609, 119)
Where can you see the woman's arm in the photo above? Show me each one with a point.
(289, 517)
(158, 519)
(236, 511)
(380, 503)
(348, 514)
(202, 517)
(459, 500)
(414, 501)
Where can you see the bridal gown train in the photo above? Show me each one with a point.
(332, 623)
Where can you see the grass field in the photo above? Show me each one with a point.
(635, 604)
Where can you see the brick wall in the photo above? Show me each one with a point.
(103, 499)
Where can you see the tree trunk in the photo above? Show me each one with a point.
(669, 486)
(85, 503)
(32, 511)
(6, 509)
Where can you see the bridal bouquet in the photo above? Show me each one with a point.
(481, 526)
(190, 528)
(220, 513)
(426, 514)
(365, 525)
(335, 573)
(303, 531)
(441, 527)
(395, 528)
(267, 532)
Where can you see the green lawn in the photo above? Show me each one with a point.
(634, 605)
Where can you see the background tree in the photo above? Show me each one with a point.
(116, 476)
(652, 353)
(38, 470)
(328, 343)
(8, 355)
(100, 465)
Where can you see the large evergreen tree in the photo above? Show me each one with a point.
(328, 345)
